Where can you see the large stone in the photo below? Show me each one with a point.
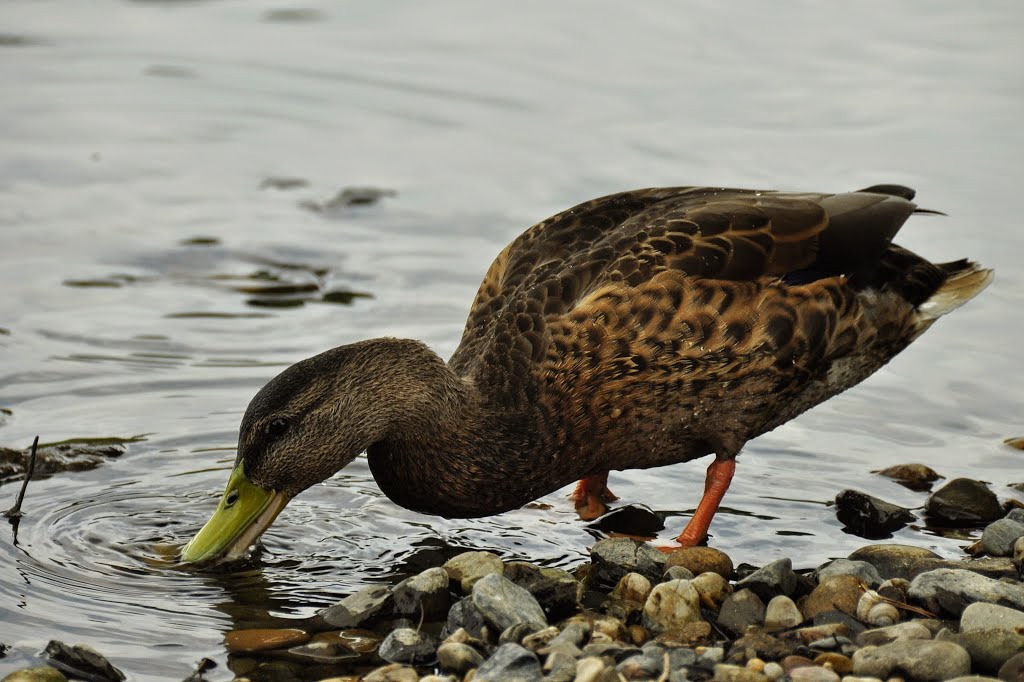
(741, 610)
(990, 567)
(838, 592)
(1000, 536)
(671, 605)
(989, 649)
(457, 658)
(774, 579)
(860, 569)
(699, 560)
(465, 615)
(893, 561)
(868, 516)
(900, 632)
(504, 604)
(357, 609)
(632, 587)
(82, 661)
(38, 674)
(510, 663)
(782, 614)
(963, 501)
(406, 645)
(981, 616)
(923, 661)
(424, 594)
(557, 592)
(952, 590)
(467, 568)
(615, 557)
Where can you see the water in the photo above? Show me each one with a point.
(129, 130)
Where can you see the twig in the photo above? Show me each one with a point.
(15, 511)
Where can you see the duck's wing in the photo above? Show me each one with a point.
(627, 239)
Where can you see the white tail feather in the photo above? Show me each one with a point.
(961, 287)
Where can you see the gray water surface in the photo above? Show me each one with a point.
(130, 129)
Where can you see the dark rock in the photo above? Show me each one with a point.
(699, 560)
(870, 517)
(357, 609)
(917, 477)
(464, 614)
(320, 653)
(951, 590)
(614, 651)
(349, 196)
(642, 666)
(999, 536)
(425, 594)
(82, 662)
(631, 519)
(406, 645)
(557, 592)
(615, 557)
(861, 569)
(468, 567)
(963, 501)
(916, 659)
(1013, 669)
(457, 659)
(510, 663)
(893, 561)
(741, 610)
(504, 604)
(283, 183)
(989, 649)
(774, 579)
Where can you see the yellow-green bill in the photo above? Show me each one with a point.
(244, 512)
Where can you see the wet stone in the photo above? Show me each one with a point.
(424, 594)
(458, 659)
(741, 610)
(838, 592)
(951, 590)
(325, 653)
(510, 663)
(362, 642)
(249, 641)
(82, 661)
(557, 592)
(406, 645)
(56, 458)
(615, 557)
(917, 477)
(893, 560)
(38, 674)
(358, 608)
(1000, 536)
(504, 604)
(671, 605)
(870, 517)
(774, 579)
(699, 560)
(918, 660)
(396, 672)
(782, 614)
(467, 568)
(963, 501)
(631, 519)
(859, 569)
(465, 615)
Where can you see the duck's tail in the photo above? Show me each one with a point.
(965, 279)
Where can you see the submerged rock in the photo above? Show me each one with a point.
(72, 455)
(963, 501)
(917, 477)
(870, 517)
(358, 608)
(81, 661)
(263, 639)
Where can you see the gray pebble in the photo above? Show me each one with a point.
(424, 594)
(615, 557)
(678, 573)
(510, 663)
(741, 610)
(557, 592)
(951, 590)
(989, 649)
(465, 615)
(406, 645)
(771, 580)
(646, 665)
(999, 537)
(457, 658)
(981, 616)
(559, 667)
(358, 608)
(923, 661)
(860, 569)
(504, 604)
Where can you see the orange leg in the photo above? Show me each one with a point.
(590, 496)
(717, 482)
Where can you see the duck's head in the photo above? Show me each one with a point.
(306, 424)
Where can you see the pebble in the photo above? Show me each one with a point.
(38, 674)
(613, 558)
(893, 560)
(1018, 550)
(557, 592)
(837, 662)
(741, 610)
(504, 604)
(458, 659)
(559, 667)
(632, 587)
(782, 614)
(952, 590)
(813, 673)
(326, 653)
(774, 579)
(837, 592)
(999, 537)
(589, 669)
(424, 594)
(712, 588)
(570, 639)
(671, 605)
(990, 567)
(923, 661)
(734, 673)
(395, 672)
(260, 639)
(699, 560)
(910, 630)
(869, 516)
(773, 671)
(989, 649)
(357, 609)
(981, 616)
(860, 569)
(1013, 669)
(710, 656)
(678, 573)
(642, 666)
(510, 663)
(540, 639)
(757, 643)
(467, 568)
(963, 501)
(406, 645)
(466, 616)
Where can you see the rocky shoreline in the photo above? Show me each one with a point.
(887, 612)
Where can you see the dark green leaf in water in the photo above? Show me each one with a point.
(344, 297)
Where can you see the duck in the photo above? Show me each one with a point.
(641, 329)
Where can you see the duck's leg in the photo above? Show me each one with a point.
(590, 496)
(717, 482)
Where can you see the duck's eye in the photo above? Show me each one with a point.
(277, 427)
(231, 498)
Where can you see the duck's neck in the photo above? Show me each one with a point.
(456, 454)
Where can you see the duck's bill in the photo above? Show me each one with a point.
(244, 512)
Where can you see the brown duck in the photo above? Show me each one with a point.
(636, 330)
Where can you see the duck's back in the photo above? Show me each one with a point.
(695, 318)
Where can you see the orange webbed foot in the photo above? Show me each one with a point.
(591, 495)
